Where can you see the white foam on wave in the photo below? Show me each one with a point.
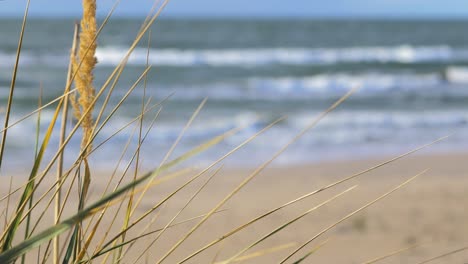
(357, 126)
(216, 125)
(339, 83)
(315, 86)
(457, 75)
(343, 130)
(347, 127)
(320, 86)
(112, 55)
(164, 133)
(260, 56)
(388, 120)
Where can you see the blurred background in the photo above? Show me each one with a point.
(256, 61)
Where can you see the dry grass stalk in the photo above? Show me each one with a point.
(56, 257)
(84, 78)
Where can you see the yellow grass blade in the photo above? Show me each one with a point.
(85, 112)
(82, 252)
(48, 167)
(220, 248)
(263, 252)
(286, 224)
(109, 182)
(144, 235)
(130, 211)
(313, 193)
(118, 70)
(181, 134)
(444, 255)
(394, 253)
(177, 214)
(18, 250)
(117, 131)
(55, 100)
(50, 233)
(163, 179)
(63, 130)
(311, 252)
(259, 169)
(111, 177)
(352, 214)
(137, 159)
(189, 154)
(122, 100)
(118, 163)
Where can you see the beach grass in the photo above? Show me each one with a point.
(105, 228)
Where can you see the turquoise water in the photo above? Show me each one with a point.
(413, 78)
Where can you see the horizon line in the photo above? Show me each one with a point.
(258, 17)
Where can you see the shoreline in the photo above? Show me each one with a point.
(344, 159)
(277, 164)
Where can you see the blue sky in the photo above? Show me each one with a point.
(288, 8)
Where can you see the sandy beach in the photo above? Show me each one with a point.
(430, 212)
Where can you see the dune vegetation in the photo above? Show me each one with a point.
(52, 216)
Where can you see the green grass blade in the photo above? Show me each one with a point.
(29, 189)
(36, 151)
(9, 254)
(13, 82)
(310, 252)
(76, 237)
(16, 251)
(70, 247)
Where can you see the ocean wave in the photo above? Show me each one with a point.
(393, 85)
(457, 75)
(334, 128)
(300, 56)
(319, 86)
(340, 131)
(388, 119)
(340, 83)
(405, 54)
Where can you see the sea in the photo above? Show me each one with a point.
(411, 76)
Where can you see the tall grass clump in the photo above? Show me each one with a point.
(85, 231)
